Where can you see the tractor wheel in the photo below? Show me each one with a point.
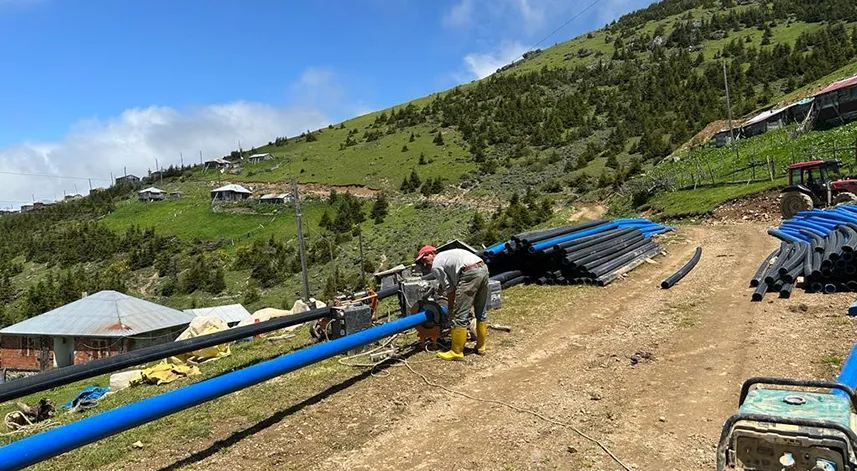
(846, 197)
(793, 202)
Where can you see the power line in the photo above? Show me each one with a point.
(566, 23)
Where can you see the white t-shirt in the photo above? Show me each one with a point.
(448, 264)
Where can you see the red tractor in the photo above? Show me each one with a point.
(816, 184)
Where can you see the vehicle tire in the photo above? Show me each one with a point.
(846, 197)
(793, 202)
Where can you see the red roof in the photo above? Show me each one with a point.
(806, 164)
(846, 83)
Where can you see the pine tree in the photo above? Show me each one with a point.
(379, 208)
(422, 160)
(217, 282)
(438, 139)
(324, 222)
(415, 181)
(412, 138)
(404, 148)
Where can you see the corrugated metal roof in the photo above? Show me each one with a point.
(845, 83)
(229, 313)
(261, 155)
(103, 314)
(232, 187)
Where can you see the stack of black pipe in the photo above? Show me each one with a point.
(598, 258)
(827, 264)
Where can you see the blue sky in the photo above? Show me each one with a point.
(91, 87)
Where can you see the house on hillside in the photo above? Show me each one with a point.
(26, 208)
(723, 137)
(229, 193)
(764, 122)
(257, 158)
(837, 104)
(152, 194)
(217, 164)
(232, 314)
(128, 180)
(156, 175)
(276, 198)
(97, 326)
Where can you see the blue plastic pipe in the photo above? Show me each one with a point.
(575, 235)
(495, 249)
(46, 445)
(802, 227)
(784, 236)
(848, 375)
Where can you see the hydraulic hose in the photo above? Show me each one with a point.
(60, 376)
(45, 445)
(684, 270)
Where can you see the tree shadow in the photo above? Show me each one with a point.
(279, 416)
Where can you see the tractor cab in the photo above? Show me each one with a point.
(816, 184)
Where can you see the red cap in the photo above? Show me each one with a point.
(425, 251)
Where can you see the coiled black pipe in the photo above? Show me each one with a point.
(684, 270)
(763, 269)
(60, 376)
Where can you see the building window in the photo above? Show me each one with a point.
(100, 348)
(29, 347)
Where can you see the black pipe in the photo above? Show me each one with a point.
(763, 268)
(618, 262)
(513, 282)
(851, 242)
(816, 265)
(608, 278)
(850, 270)
(506, 276)
(786, 290)
(817, 239)
(69, 374)
(852, 285)
(816, 287)
(603, 250)
(528, 241)
(759, 292)
(807, 260)
(684, 270)
(583, 242)
(591, 264)
(829, 288)
(796, 258)
(773, 272)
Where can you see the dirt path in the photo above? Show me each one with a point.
(652, 373)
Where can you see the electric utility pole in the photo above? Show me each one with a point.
(301, 240)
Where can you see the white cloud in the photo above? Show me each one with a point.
(481, 65)
(459, 15)
(532, 13)
(134, 139)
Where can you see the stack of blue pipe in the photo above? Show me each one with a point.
(595, 252)
(818, 245)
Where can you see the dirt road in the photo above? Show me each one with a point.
(651, 373)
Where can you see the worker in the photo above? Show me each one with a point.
(463, 276)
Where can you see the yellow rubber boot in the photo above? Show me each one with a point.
(481, 333)
(456, 352)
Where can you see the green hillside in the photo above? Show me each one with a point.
(581, 121)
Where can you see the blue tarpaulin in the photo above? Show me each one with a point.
(92, 393)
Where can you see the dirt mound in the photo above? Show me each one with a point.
(707, 133)
(763, 207)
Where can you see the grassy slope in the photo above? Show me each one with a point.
(173, 437)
